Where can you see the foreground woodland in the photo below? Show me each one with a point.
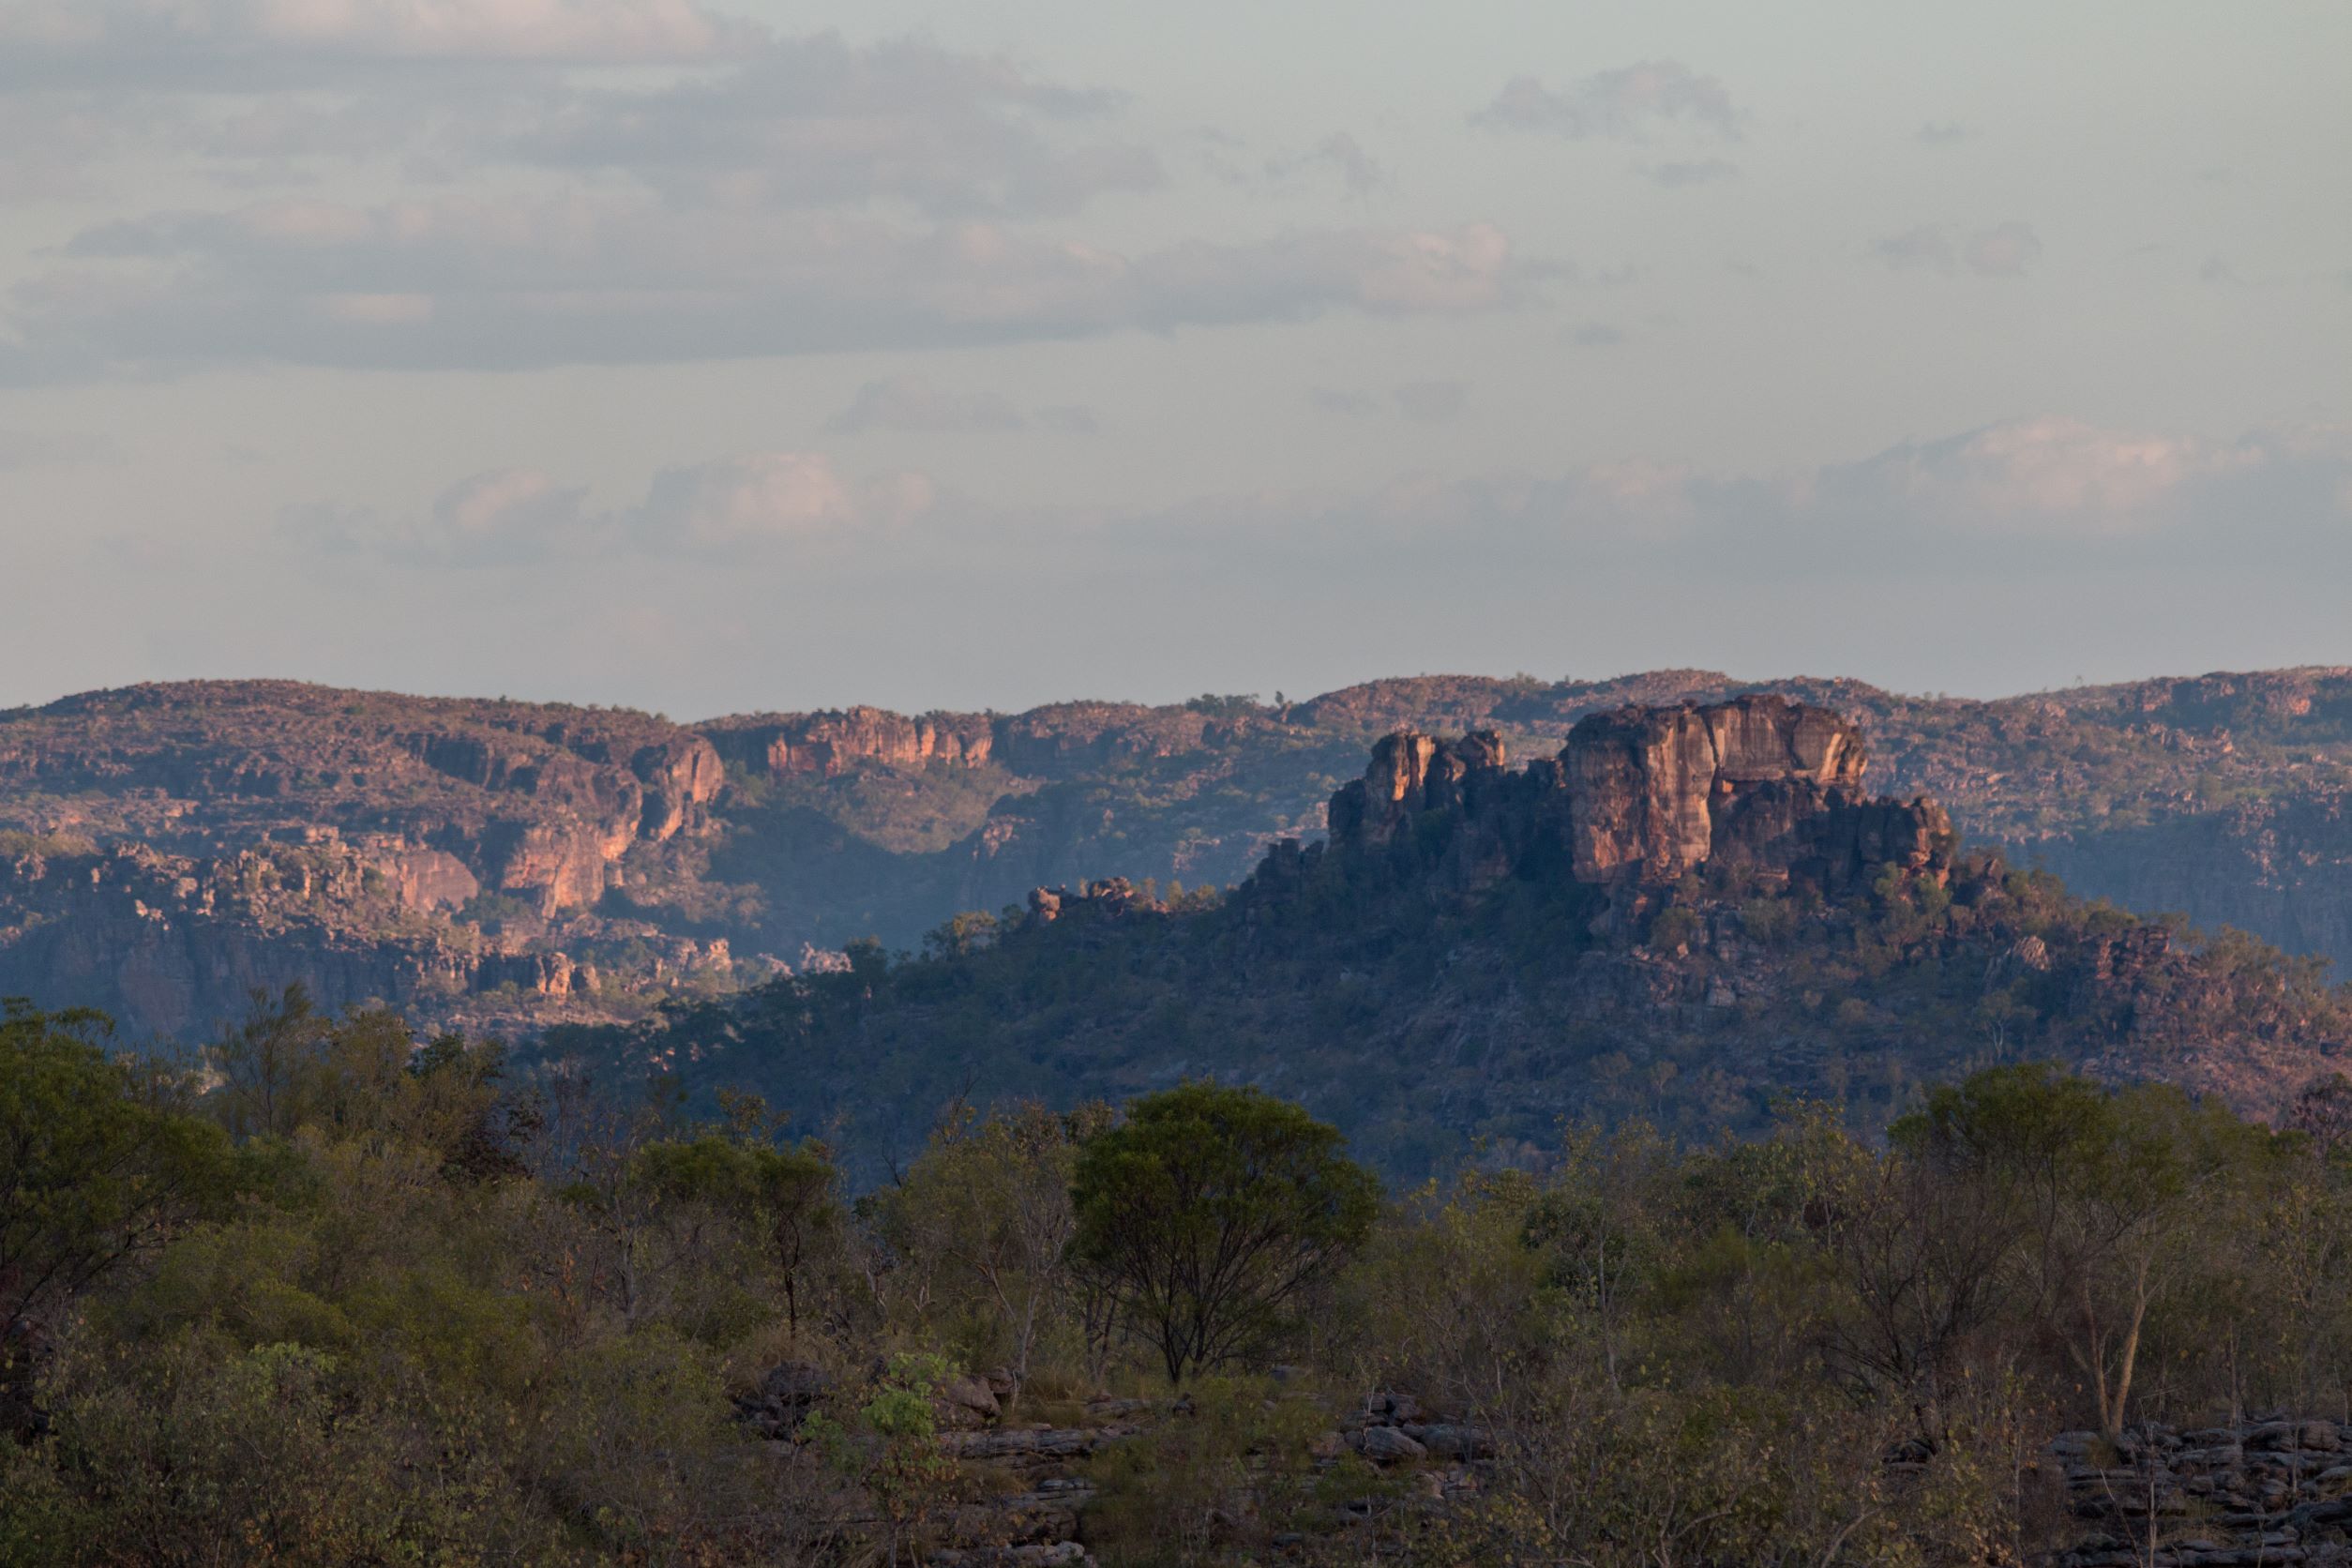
(327, 1295)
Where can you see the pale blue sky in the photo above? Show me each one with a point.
(723, 356)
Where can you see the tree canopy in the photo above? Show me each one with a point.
(1210, 1211)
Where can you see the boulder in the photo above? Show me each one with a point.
(787, 1393)
(1387, 1445)
(967, 1401)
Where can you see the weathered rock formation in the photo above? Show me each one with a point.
(1644, 795)
(1055, 742)
(2262, 1492)
(828, 745)
(173, 945)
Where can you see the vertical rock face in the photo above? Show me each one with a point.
(680, 776)
(1411, 773)
(828, 744)
(1643, 795)
(1657, 789)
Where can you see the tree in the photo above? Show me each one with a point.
(784, 1195)
(989, 1201)
(98, 1166)
(2113, 1192)
(270, 1065)
(1210, 1211)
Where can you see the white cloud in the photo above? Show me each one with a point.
(461, 282)
(1627, 103)
(167, 37)
(729, 508)
(737, 505)
(2030, 475)
(2012, 497)
(815, 120)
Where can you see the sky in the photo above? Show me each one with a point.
(713, 355)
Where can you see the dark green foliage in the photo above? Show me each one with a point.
(783, 1195)
(99, 1166)
(1808, 1346)
(1211, 1212)
(1435, 1025)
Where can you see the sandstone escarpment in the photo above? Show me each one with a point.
(1642, 796)
(1056, 741)
(175, 944)
(828, 745)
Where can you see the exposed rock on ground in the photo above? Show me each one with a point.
(2273, 1491)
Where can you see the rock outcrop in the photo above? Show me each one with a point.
(1642, 796)
(828, 745)
(2263, 1492)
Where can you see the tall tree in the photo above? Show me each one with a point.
(98, 1166)
(1210, 1211)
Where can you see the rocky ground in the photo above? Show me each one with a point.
(2267, 1492)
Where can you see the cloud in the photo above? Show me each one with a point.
(1593, 335)
(2021, 496)
(1951, 527)
(1940, 133)
(1625, 103)
(729, 508)
(914, 404)
(1339, 153)
(815, 120)
(469, 283)
(2003, 250)
(250, 39)
(1430, 402)
(738, 505)
(1675, 176)
(739, 117)
(2027, 476)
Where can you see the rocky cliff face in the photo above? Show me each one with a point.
(173, 945)
(2224, 796)
(828, 745)
(1688, 913)
(165, 848)
(1642, 796)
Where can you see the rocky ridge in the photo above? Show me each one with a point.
(1690, 913)
(626, 843)
(1643, 797)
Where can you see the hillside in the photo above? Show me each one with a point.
(1690, 913)
(503, 864)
